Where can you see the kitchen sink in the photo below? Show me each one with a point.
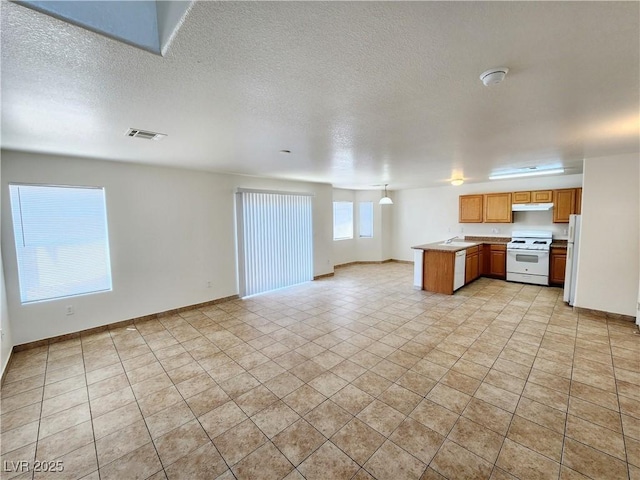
(459, 244)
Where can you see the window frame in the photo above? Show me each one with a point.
(360, 205)
(335, 202)
(102, 283)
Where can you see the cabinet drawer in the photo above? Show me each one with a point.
(473, 250)
(498, 247)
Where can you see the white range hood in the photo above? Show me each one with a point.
(531, 207)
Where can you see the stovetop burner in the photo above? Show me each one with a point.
(530, 240)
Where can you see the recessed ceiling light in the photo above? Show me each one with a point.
(529, 172)
(285, 151)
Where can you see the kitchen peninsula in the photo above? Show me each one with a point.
(443, 267)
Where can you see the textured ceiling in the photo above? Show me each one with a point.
(361, 93)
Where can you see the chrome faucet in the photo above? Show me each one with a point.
(450, 239)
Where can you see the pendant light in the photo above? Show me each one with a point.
(386, 200)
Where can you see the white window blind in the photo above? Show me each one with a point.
(61, 241)
(275, 241)
(342, 220)
(366, 219)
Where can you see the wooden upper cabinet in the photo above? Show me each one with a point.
(564, 204)
(471, 207)
(521, 197)
(542, 196)
(538, 196)
(497, 208)
(578, 209)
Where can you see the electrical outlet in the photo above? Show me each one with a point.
(564, 232)
(2, 331)
(69, 309)
(208, 284)
(461, 229)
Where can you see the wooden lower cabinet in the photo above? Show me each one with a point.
(497, 261)
(472, 265)
(437, 271)
(558, 263)
(578, 209)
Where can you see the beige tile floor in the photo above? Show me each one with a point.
(357, 376)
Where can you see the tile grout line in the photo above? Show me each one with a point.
(615, 379)
(495, 465)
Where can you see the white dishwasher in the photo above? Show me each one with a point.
(458, 272)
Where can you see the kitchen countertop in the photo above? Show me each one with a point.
(437, 246)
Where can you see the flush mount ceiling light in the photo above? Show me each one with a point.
(386, 200)
(457, 182)
(528, 172)
(493, 76)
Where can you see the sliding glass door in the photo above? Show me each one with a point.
(275, 234)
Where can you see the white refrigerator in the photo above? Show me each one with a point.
(571, 272)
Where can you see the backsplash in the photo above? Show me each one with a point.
(521, 221)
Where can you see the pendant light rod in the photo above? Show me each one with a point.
(386, 200)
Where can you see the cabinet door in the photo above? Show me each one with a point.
(481, 261)
(471, 268)
(470, 209)
(564, 204)
(521, 197)
(497, 208)
(542, 196)
(498, 263)
(557, 267)
(578, 209)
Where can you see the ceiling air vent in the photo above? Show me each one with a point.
(144, 134)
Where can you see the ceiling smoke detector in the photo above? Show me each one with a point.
(144, 134)
(494, 76)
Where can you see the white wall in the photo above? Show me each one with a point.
(426, 215)
(608, 272)
(358, 249)
(170, 232)
(6, 341)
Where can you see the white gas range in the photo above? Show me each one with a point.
(528, 257)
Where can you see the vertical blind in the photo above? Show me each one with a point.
(275, 240)
(61, 241)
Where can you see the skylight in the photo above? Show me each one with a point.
(149, 25)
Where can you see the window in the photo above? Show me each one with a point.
(342, 220)
(61, 240)
(366, 219)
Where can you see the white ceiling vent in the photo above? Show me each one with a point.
(144, 134)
